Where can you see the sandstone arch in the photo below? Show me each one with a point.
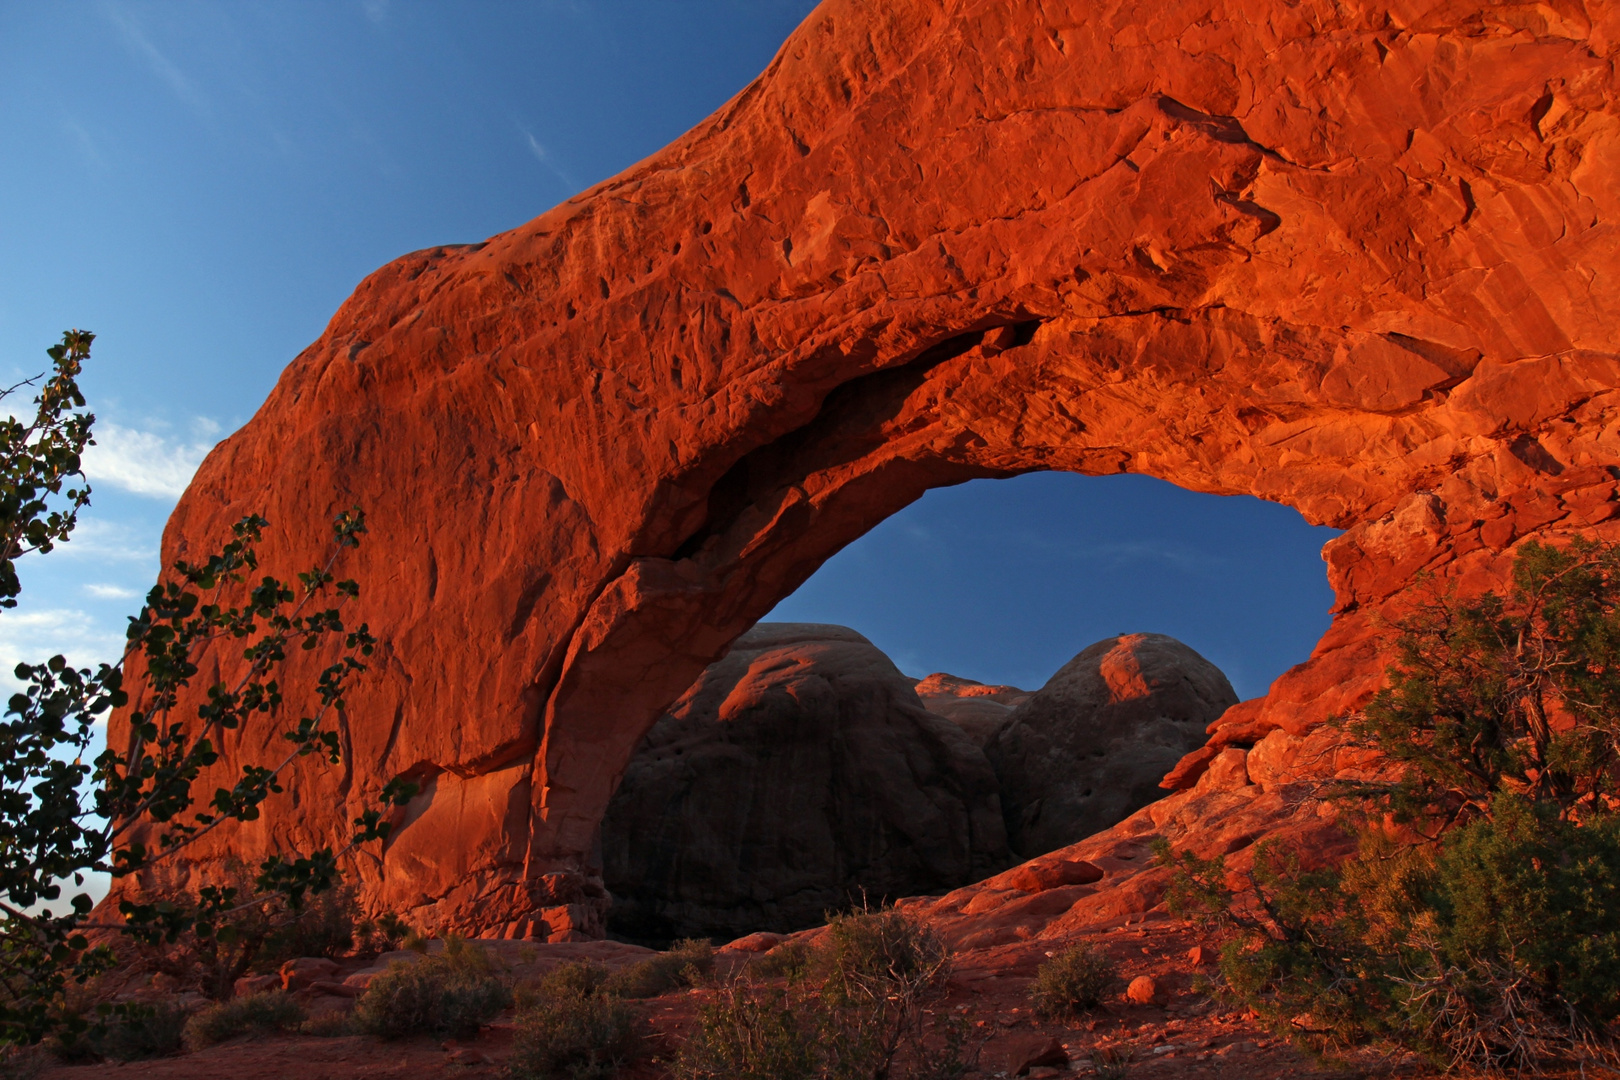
(1349, 258)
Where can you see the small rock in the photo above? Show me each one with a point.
(1143, 991)
(298, 974)
(1199, 955)
(1035, 1052)
(253, 984)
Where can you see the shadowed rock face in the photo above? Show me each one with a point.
(980, 710)
(797, 774)
(1089, 748)
(1347, 257)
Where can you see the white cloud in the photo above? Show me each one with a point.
(111, 592)
(35, 636)
(143, 462)
(109, 541)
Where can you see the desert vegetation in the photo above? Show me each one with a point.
(1478, 925)
(854, 1007)
(130, 809)
(1075, 981)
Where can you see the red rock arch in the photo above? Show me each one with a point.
(1349, 259)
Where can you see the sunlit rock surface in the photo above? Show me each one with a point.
(1350, 257)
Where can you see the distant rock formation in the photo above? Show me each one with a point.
(1090, 747)
(799, 771)
(980, 710)
(803, 769)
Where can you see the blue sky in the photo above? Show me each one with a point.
(203, 183)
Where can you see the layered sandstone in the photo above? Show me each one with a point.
(1350, 257)
(798, 775)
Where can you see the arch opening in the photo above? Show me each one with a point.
(802, 772)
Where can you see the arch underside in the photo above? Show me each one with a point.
(1350, 261)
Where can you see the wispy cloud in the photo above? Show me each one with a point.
(376, 10)
(1125, 552)
(109, 541)
(543, 156)
(164, 68)
(145, 462)
(86, 144)
(110, 592)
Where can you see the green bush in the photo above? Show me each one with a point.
(683, 965)
(568, 1033)
(1074, 981)
(452, 994)
(259, 1014)
(1483, 931)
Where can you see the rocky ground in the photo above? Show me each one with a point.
(1183, 1034)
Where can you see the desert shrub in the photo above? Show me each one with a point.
(683, 965)
(580, 977)
(452, 993)
(134, 1032)
(1074, 981)
(259, 933)
(790, 959)
(1482, 928)
(255, 1014)
(326, 926)
(386, 933)
(210, 958)
(568, 1031)
(859, 1012)
(752, 1034)
(871, 953)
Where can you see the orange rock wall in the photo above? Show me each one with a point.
(1349, 257)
